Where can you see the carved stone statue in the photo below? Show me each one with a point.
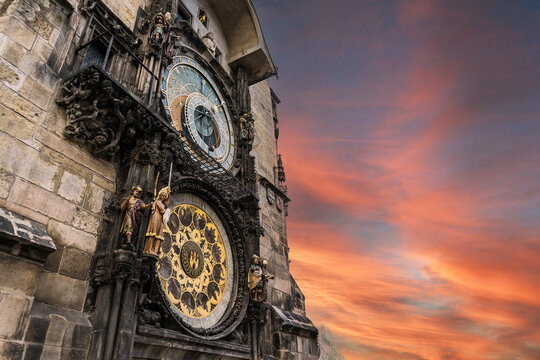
(255, 278)
(208, 41)
(160, 26)
(154, 233)
(265, 277)
(246, 127)
(258, 279)
(133, 207)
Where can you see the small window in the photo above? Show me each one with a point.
(203, 18)
(182, 13)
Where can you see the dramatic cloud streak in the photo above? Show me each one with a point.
(411, 141)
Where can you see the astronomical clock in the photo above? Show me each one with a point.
(197, 109)
(196, 272)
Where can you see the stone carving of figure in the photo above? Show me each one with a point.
(265, 277)
(154, 233)
(208, 41)
(160, 25)
(246, 127)
(255, 283)
(258, 278)
(133, 207)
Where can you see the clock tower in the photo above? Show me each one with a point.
(143, 201)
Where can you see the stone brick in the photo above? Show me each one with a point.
(53, 260)
(60, 290)
(19, 32)
(22, 160)
(86, 221)
(29, 213)
(72, 187)
(41, 26)
(51, 352)
(11, 51)
(14, 310)
(105, 184)
(20, 105)
(36, 93)
(45, 202)
(42, 49)
(17, 275)
(75, 263)
(69, 236)
(34, 66)
(57, 331)
(67, 163)
(10, 75)
(11, 350)
(94, 198)
(15, 125)
(6, 180)
(75, 153)
(33, 352)
(37, 330)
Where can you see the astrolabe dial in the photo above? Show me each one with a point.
(194, 266)
(198, 110)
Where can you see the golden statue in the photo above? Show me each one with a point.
(154, 233)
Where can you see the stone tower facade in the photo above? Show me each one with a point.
(142, 197)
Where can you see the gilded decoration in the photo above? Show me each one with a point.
(192, 265)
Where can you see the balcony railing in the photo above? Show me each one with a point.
(122, 64)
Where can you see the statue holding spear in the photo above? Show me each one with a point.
(154, 233)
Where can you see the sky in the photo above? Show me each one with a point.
(410, 136)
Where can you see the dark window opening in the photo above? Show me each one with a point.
(183, 14)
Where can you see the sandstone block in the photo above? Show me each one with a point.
(42, 49)
(20, 105)
(24, 211)
(15, 125)
(72, 187)
(20, 33)
(34, 66)
(74, 263)
(41, 26)
(36, 93)
(86, 221)
(10, 350)
(282, 285)
(108, 185)
(43, 201)
(60, 290)
(10, 75)
(53, 260)
(67, 163)
(94, 198)
(11, 51)
(75, 153)
(22, 160)
(18, 276)
(6, 180)
(14, 310)
(69, 236)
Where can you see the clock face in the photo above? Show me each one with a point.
(195, 266)
(197, 109)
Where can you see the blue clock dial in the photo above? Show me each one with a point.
(196, 107)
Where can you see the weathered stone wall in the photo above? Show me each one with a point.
(214, 27)
(46, 179)
(273, 244)
(126, 10)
